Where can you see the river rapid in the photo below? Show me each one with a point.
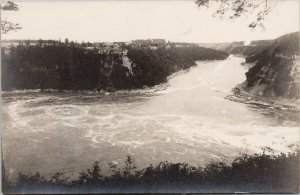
(185, 120)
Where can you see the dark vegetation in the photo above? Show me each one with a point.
(70, 66)
(253, 48)
(152, 67)
(276, 68)
(238, 48)
(264, 172)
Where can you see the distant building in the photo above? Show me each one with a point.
(149, 41)
(159, 41)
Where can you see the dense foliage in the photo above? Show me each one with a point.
(56, 67)
(249, 50)
(70, 66)
(263, 172)
(153, 66)
(239, 48)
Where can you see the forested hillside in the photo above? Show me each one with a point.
(65, 66)
(253, 48)
(239, 48)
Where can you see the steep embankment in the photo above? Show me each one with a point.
(151, 67)
(72, 67)
(275, 74)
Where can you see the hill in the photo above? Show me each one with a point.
(72, 66)
(274, 76)
(239, 48)
(276, 71)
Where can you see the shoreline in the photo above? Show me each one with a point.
(241, 96)
(144, 89)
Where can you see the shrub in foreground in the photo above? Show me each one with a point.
(248, 173)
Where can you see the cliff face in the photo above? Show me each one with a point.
(275, 73)
(70, 67)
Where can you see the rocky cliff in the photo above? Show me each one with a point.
(275, 73)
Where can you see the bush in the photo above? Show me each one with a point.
(251, 173)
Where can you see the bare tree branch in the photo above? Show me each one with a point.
(9, 6)
(233, 9)
(7, 26)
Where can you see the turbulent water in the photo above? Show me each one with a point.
(185, 120)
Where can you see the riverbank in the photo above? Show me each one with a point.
(190, 122)
(242, 96)
(61, 66)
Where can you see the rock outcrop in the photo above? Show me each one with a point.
(274, 77)
(275, 73)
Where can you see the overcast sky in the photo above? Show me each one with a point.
(129, 20)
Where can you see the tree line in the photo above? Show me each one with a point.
(256, 173)
(67, 66)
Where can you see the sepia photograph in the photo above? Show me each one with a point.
(150, 96)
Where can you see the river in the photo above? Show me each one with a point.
(184, 120)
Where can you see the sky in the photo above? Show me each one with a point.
(127, 20)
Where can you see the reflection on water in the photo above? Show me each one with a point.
(187, 119)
